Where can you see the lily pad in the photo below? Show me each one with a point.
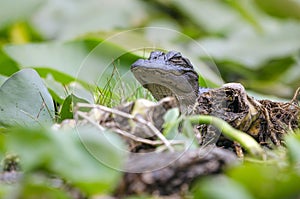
(88, 61)
(61, 19)
(253, 50)
(24, 100)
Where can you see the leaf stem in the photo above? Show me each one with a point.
(246, 141)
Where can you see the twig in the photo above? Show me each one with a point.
(31, 116)
(83, 115)
(106, 109)
(297, 93)
(126, 134)
(143, 140)
(155, 131)
(44, 104)
(136, 119)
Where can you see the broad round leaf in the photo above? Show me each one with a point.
(24, 100)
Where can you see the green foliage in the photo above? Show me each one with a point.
(171, 123)
(66, 111)
(83, 54)
(25, 100)
(220, 188)
(281, 182)
(293, 144)
(87, 158)
(8, 65)
(36, 187)
(279, 177)
(280, 8)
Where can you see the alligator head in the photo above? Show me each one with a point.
(168, 74)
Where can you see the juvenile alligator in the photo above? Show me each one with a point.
(169, 74)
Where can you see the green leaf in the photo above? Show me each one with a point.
(188, 129)
(277, 40)
(293, 146)
(188, 135)
(57, 90)
(171, 123)
(172, 115)
(87, 61)
(36, 186)
(100, 15)
(66, 111)
(99, 156)
(213, 20)
(89, 159)
(64, 58)
(10, 66)
(246, 11)
(80, 93)
(7, 190)
(220, 188)
(281, 8)
(268, 78)
(280, 183)
(24, 100)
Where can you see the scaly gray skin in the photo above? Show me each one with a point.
(169, 74)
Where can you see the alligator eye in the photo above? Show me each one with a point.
(173, 55)
(176, 59)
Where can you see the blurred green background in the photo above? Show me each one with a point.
(250, 41)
